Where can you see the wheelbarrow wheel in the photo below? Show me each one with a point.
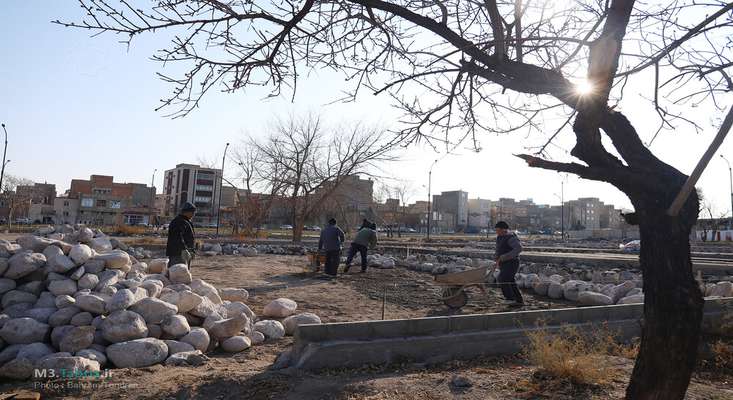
(455, 297)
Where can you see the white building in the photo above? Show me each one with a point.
(194, 184)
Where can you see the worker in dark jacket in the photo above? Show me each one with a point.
(332, 237)
(506, 256)
(180, 248)
(366, 238)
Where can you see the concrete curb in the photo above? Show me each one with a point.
(439, 339)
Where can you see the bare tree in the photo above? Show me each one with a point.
(309, 162)
(15, 202)
(458, 68)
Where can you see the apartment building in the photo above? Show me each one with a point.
(101, 201)
(194, 184)
(455, 204)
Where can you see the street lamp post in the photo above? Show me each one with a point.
(730, 173)
(562, 208)
(152, 197)
(218, 206)
(5, 150)
(430, 197)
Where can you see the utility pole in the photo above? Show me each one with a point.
(218, 207)
(730, 174)
(562, 209)
(152, 197)
(430, 197)
(5, 150)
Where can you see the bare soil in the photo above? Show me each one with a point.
(351, 297)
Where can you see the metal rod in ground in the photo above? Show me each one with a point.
(384, 300)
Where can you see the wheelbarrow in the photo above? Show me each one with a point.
(315, 260)
(455, 284)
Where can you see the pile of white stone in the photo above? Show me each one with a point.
(71, 300)
(437, 265)
(246, 250)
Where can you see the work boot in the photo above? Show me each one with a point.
(346, 269)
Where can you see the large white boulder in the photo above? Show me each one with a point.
(228, 327)
(594, 299)
(123, 325)
(93, 354)
(175, 346)
(154, 310)
(198, 338)
(175, 325)
(292, 322)
(62, 287)
(24, 331)
(101, 244)
(179, 273)
(633, 299)
(188, 300)
(78, 338)
(80, 253)
(270, 328)
(571, 289)
(235, 344)
(23, 264)
(137, 353)
(280, 308)
(88, 281)
(541, 287)
(115, 259)
(91, 303)
(555, 290)
(234, 294)
(205, 289)
(157, 266)
(61, 365)
(61, 263)
(722, 289)
(193, 358)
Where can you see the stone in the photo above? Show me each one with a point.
(41, 314)
(235, 344)
(93, 354)
(101, 244)
(35, 286)
(189, 358)
(88, 281)
(115, 259)
(3, 265)
(78, 273)
(23, 264)
(175, 346)
(153, 287)
(91, 303)
(10, 352)
(121, 300)
(94, 266)
(634, 292)
(154, 310)
(555, 290)
(188, 300)
(228, 327)
(24, 331)
(78, 338)
(6, 285)
(621, 290)
(35, 351)
(81, 319)
(137, 353)
(175, 325)
(18, 310)
(45, 300)
(18, 369)
(198, 338)
(205, 289)
(63, 316)
(209, 321)
(236, 308)
(52, 251)
(292, 322)
(721, 289)
(234, 294)
(58, 333)
(571, 289)
(107, 278)
(155, 331)
(541, 287)
(80, 253)
(633, 299)
(78, 365)
(64, 301)
(179, 273)
(61, 263)
(204, 309)
(123, 325)
(270, 328)
(85, 235)
(157, 266)
(33, 243)
(16, 297)
(256, 337)
(169, 296)
(62, 287)
(594, 299)
(280, 308)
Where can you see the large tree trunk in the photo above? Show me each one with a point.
(298, 229)
(673, 305)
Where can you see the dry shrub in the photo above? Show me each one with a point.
(722, 355)
(128, 230)
(577, 357)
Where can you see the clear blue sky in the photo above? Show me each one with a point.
(76, 106)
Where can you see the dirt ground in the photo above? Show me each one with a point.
(351, 297)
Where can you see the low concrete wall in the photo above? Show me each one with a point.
(438, 339)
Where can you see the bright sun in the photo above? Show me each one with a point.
(583, 87)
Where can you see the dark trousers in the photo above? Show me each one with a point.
(333, 257)
(173, 260)
(362, 250)
(506, 280)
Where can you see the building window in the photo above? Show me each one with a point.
(115, 204)
(66, 203)
(66, 213)
(87, 202)
(201, 199)
(101, 203)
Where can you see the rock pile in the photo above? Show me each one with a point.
(74, 299)
(214, 249)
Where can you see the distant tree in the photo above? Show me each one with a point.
(460, 68)
(16, 203)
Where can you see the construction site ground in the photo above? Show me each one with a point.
(351, 297)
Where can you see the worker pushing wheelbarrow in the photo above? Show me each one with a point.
(506, 256)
